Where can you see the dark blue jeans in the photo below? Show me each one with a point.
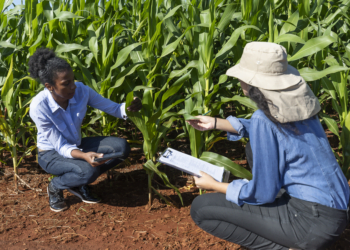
(77, 172)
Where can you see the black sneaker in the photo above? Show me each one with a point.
(84, 194)
(56, 200)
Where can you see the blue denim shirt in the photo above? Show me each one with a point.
(59, 129)
(303, 164)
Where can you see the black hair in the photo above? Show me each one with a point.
(44, 65)
(263, 104)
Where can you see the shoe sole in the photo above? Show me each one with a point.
(80, 197)
(52, 209)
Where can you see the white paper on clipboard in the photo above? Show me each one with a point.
(192, 165)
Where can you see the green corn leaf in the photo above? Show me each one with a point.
(176, 86)
(225, 19)
(290, 24)
(6, 44)
(154, 168)
(331, 123)
(312, 46)
(337, 108)
(128, 71)
(93, 45)
(327, 84)
(162, 131)
(7, 90)
(69, 47)
(345, 142)
(312, 75)
(225, 162)
(177, 73)
(91, 82)
(289, 38)
(143, 87)
(233, 39)
(171, 47)
(243, 100)
(65, 15)
(38, 41)
(124, 53)
(171, 106)
(4, 4)
(158, 30)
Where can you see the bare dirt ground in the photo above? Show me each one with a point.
(122, 220)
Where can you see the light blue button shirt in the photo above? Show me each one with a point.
(303, 164)
(59, 129)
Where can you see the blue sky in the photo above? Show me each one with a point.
(16, 2)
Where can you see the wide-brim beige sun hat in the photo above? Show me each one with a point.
(264, 65)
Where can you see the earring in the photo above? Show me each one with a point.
(50, 91)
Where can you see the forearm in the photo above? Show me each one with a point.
(220, 187)
(225, 125)
(76, 153)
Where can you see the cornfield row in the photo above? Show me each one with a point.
(173, 54)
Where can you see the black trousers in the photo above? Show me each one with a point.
(286, 223)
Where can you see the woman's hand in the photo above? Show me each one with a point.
(135, 105)
(205, 182)
(90, 156)
(203, 123)
(209, 183)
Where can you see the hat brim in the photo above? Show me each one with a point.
(289, 78)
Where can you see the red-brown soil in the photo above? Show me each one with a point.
(121, 221)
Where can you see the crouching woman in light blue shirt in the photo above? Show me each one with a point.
(58, 112)
(298, 197)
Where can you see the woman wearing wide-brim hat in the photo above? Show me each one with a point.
(298, 197)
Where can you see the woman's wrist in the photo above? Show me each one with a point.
(220, 187)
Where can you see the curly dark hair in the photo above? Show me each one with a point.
(263, 104)
(44, 65)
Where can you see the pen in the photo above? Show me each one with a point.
(207, 112)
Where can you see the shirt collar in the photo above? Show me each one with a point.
(53, 104)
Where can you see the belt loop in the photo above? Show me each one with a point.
(315, 210)
(348, 213)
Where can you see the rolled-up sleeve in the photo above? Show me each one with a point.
(266, 181)
(233, 190)
(99, 102)
(240, 125)
(47, 128)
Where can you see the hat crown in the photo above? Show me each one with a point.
(264, 65)
(264, 58)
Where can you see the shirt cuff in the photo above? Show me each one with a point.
(67, 150)
(123, 111)
(233, 190)
(237, 125)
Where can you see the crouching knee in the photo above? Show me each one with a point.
(197, 204)
(90, 175)
(125, 148)
(119, 145)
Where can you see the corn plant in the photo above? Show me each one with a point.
(12, 122)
